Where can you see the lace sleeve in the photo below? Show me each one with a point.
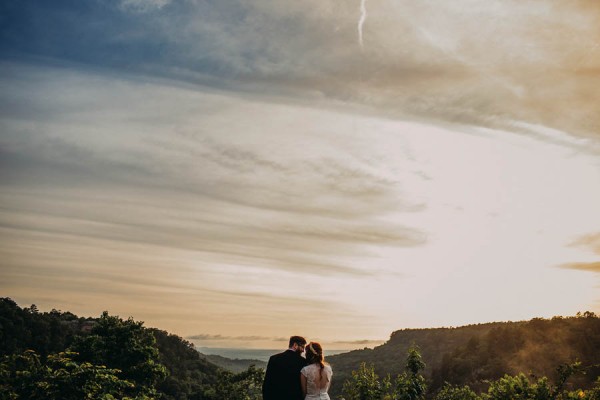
(304, 372)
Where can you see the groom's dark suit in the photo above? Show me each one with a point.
(282, 379)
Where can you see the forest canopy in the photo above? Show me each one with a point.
(58, 355)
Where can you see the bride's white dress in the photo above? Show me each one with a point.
(317, 384)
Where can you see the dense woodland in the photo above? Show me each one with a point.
(58, 355)
(475, 354)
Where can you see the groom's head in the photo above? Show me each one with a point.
(297, 344)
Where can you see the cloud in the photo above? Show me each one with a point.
(253, 145)
(360, 342)
(233, 204)
(592, 242)
(260, 194)
(204, 336)
(485, 64)
(143, 6)
(593, 266)
(256, 338)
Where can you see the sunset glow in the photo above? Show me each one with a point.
(238, 174)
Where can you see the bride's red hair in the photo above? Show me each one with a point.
(314, 354)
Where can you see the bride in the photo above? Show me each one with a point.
(315, 378)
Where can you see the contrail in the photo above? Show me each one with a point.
(361, 21)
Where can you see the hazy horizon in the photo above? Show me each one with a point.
(242, 353)
(239, 173)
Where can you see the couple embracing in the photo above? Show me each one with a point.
(290, 376)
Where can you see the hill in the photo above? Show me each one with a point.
(235, 365)
(58, 355)
(474, 354)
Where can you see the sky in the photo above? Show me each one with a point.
(239, 172)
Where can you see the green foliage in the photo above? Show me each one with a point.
(28, 329)
(57, 355)
(414, 361)
(366, 385)
(189, 375)
(246, 385)
(477, 354)
(410, 385)
(519, 388)
(139, 363)
(451, 392)
(25, 376)
(536, 347)
(234, 365)
(126, 346)
(565, 371)
(593, 394)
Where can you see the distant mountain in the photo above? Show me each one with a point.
(476, 353)
(239, 353)
(233, 365)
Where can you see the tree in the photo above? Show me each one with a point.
(126, 346)
(565, 371)
(519, 388)
(593, 394)
(246, 385)
(410, 385)
(189, 374)
(451, 392)
(25, 376)
(365, 385)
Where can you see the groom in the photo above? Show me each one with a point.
(282, 379)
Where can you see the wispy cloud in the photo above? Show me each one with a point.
(192, 193)
(249, 161)
(591, 266)
(204, 336)
(360, 342)
(465, 62)
(143, 5)
(590, 242)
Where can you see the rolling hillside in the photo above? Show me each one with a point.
(234, 365)
(475, 353)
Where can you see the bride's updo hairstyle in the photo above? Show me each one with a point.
(314, 354)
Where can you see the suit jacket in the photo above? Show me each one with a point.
(282, 378)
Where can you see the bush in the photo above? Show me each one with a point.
(451, 392)
(25, 376)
